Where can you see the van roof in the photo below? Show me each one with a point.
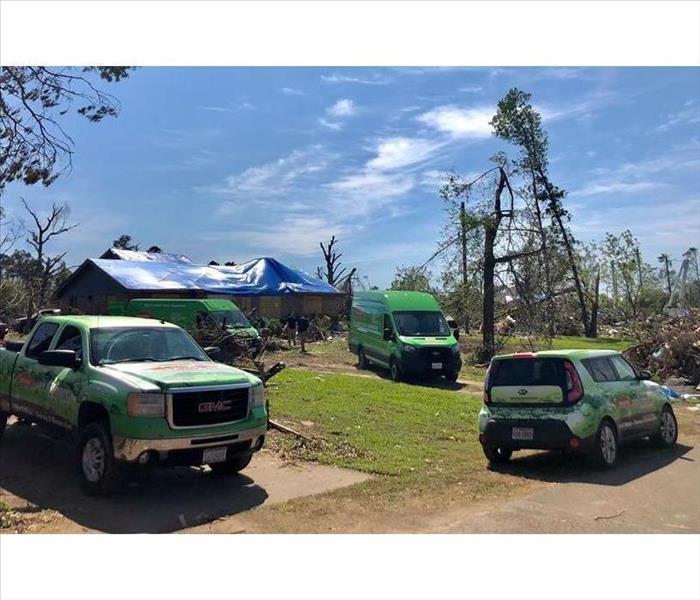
(400, 300)
(575, 353)
(210, 303)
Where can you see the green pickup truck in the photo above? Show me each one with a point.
(133, 392)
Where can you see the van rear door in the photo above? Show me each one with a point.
(527, 379)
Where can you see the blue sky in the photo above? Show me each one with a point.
(235, 163)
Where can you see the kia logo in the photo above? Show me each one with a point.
(209, 407)
(522, 391)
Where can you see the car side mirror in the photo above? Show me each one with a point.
(644, 375)
(59, 358)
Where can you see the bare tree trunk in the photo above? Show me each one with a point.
(594, 304)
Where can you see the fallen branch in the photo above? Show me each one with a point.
(609, 516)
(284, 429)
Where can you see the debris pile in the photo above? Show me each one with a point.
(670, 349)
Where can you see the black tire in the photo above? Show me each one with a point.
(361, 359)
(497, 454)
(606, 447)
(3, 422)
(452, 376)
(667, 435)
(394, 370)
(97, 469)
(231, 466)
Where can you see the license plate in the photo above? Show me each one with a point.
(437, 365)
(214, 455)
(523, 433)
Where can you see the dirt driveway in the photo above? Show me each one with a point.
(37, 481)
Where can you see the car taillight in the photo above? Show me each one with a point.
(574, 387)
(490, 374)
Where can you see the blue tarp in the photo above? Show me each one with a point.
(138, 255)
(258, 277)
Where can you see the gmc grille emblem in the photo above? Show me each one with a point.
(522, 391)
(209, 407)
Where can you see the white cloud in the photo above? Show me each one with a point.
(397, 152)
(275, 177)
(292, 91)
(618, 188)
(371, 80)
(334, 125)
(459, 122)
(471, 89)
(232, 107)
(688, 115)
(342, 108)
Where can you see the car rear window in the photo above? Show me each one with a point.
(528, 371)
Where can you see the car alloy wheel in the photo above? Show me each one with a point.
(668, 427)
(608, 444)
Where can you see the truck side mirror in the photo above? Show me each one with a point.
(59, 358)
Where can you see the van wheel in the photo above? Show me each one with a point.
(605, 451)
(97, 469)
(668, 429)
(394, 371)
(361, 359)
(496, 455)
(232, 465)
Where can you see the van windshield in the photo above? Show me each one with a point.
(421, 322)
(230, 318)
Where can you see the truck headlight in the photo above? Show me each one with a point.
(145, 405)
(407, 348)
(257, 395)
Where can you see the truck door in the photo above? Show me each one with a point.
(65, 389)
(28, 382)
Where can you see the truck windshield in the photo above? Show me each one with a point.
(230, 318)
(110, 345)
(421, 322)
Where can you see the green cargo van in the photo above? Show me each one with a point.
(404, 332)
(192, 315)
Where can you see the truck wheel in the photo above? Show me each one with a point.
(394, 371)
(668, 429)
(361, 359)
(97, 469)
(605, 451)
(232, 465)
(496, 455)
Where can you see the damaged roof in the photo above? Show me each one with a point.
(257, 277)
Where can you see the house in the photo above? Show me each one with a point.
(263, 286)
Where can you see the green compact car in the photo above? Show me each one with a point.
(404, 332)
(132, 392)
(579, 400)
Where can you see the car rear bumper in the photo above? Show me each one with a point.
(186, 451)
(547, 434)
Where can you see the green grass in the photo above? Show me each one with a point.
(377, 426)
(519, 343)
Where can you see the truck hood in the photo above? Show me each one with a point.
(182, 373)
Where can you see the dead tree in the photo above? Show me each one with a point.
(38, 236)
(335, 274)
